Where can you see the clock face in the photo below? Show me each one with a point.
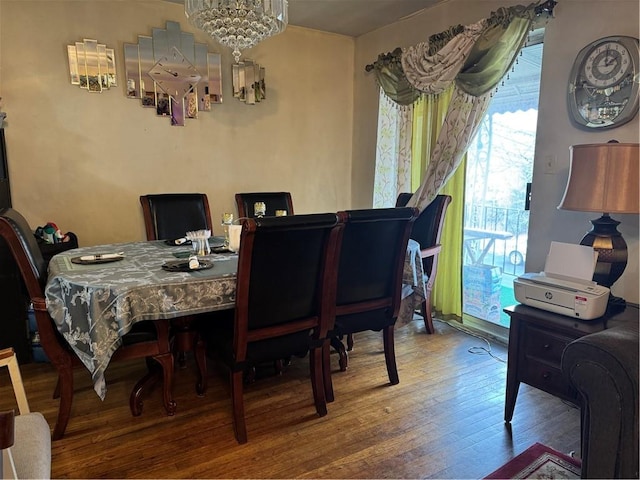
(175, 75)
(607, 64)
(603, 90)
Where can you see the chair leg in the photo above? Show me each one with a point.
(201, 362)
(317, 381)
(239, 423)
(280, 364)
(326, 372)
(426, 314)
(56, 390)
(390, 354)
(349, 342)
(342, 353)
(64, 389)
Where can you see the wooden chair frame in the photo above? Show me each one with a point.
(185, 337)
(390, 302)
(319, 324)
(23, 246)
(148, 213)
(244, 199)
(429, 253)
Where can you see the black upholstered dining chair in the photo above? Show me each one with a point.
(427, 230)
(148, 339)
(273, 201)
(171, 215)
(369, 286)
(285, 297)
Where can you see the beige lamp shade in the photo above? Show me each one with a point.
(603, 178)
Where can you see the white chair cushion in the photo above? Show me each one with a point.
(32, 448)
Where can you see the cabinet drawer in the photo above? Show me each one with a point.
(545, 377)
(546, 346)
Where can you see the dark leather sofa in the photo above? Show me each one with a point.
(603, 368)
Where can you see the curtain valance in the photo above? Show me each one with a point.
(475, 56)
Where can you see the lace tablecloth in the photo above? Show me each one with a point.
(93, 306)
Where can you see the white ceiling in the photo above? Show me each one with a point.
(350, 17)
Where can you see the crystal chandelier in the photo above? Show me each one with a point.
(238, 24)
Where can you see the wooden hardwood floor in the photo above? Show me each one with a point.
(444, 419)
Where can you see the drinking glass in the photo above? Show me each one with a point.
(227, 219)
(205, 248)
(200, 242)
(259, 209)
(195, 244)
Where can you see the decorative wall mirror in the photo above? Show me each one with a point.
(171, 73)
(248, 82)
(92, 65)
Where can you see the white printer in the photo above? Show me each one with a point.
(570, 298)
(574, 295)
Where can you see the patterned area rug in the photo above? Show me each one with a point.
(539, 461)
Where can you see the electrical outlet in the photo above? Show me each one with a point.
(550, 164)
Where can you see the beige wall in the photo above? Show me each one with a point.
(82, 160)
(577, 23)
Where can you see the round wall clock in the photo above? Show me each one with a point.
(603, 87)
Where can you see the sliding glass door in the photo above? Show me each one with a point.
(496, 216)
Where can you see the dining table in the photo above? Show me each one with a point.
(94, 303)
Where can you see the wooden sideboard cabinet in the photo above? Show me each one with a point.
(537, 339)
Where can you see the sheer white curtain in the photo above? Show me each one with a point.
(393, 153)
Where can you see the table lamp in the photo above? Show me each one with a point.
(604, 178)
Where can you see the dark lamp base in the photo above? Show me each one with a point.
(615, 304)
(605, 238)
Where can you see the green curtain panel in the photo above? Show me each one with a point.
(428, 118)
(492, 56)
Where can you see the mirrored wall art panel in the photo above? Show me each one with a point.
(73, 64)
(191, 105)
(237, 86)
(215, 77)
(177, 112)
(82, 64)
(92, 65)
(202, 89)
(148, 87)
(248, 82)
(111, 67)
(163, 105)
(175, 73)
(261, 88)
(132, 70)
(188, 46)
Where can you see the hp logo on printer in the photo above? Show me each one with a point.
(548, 295)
